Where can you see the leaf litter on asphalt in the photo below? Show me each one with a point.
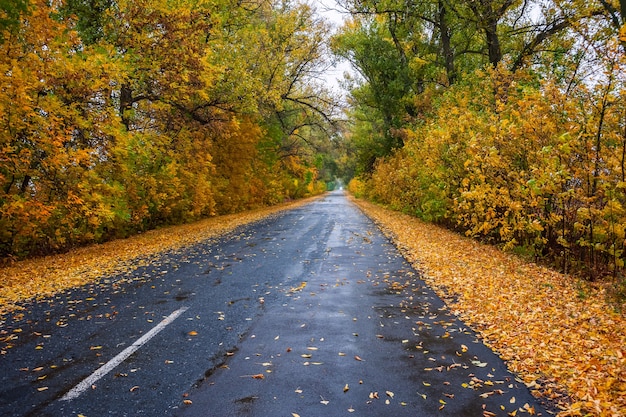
(42, 277)
(566, 348)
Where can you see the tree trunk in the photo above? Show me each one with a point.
(493, 41)
(446, 44)
(126, 102)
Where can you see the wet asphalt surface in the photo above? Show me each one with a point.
(309, 313)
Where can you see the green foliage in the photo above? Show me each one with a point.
(512, 125)
(10, 13)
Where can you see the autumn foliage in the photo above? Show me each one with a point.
(139, 114)
(523, 146)
(504, 121)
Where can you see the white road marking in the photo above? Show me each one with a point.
(121, 357)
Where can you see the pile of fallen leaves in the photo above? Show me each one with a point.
(567, 345)
(41, 277)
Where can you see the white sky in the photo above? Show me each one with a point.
(328, 9)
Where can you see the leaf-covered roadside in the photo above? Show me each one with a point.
(566, 345)
(42, 277)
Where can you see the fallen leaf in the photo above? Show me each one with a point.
(346, 388)
(529, 409)
(192, 333)
(389, 394)
(358, 358)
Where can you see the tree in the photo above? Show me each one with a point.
(10, 13)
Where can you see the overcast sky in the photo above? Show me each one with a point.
(328, 9)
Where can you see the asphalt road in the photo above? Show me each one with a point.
(308, 313)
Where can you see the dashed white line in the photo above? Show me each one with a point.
(121, 357)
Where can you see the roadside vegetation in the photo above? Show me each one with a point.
(498, 127)
(117, 117)
(502, 120)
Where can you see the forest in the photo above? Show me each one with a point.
(504, 120)
(119, 116)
